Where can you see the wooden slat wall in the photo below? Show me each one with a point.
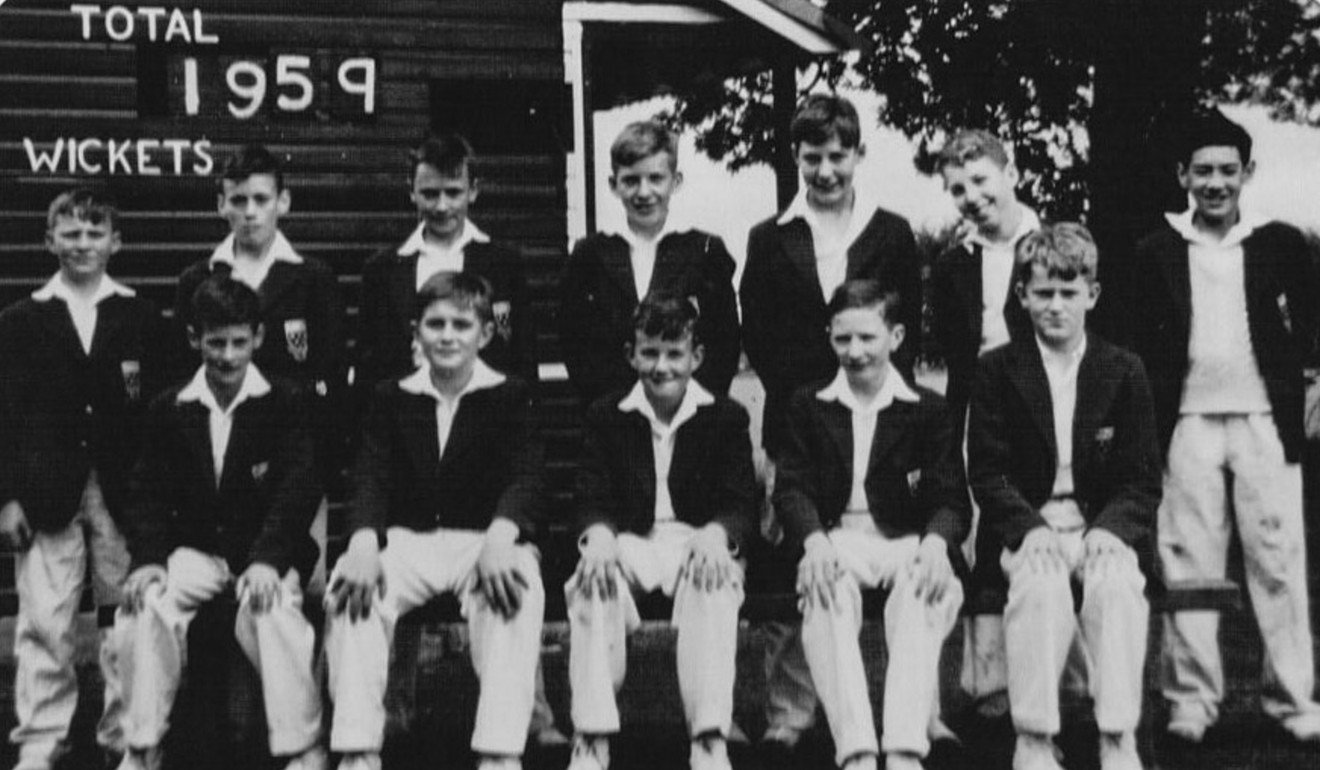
(348, 179)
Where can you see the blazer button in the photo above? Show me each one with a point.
(89, 408)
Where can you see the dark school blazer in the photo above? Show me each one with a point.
(955, 320)
(491, 467)
(711, 477)
(385, 317)
(266, 498)
(915, 484)
(785, 323)
(303, 312)
(1012, 454)
(1282, 293)
(598, 298)
(64, 412)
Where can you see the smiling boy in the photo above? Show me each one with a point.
(1226, 313)
(609, 273)
(666, 495)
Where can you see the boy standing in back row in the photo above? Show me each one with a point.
(1227, 318)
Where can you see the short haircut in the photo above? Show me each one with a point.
(249, 161)
(221, 301)
(667, 316)
(449, 153)
(971, 144)
(640, 140)
(1065, 250)
(85, 204)
(822, 117)
(465, 290)
(867, 293)
(1211, 128)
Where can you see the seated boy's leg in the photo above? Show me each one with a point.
(597, 651)
(49, 579)
(1193, 544)
(154, 643)
(790, 695)
(1039, 626)
(1267, 500)
(707, 650)
(280, 642)
(505, 653)
(1114, 620)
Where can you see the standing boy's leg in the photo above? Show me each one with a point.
(1193, 544)
(108, 568)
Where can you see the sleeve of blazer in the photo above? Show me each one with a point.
(1134, 470)
(759, 337)
(156, 371)
(152, 500)
(719, 317)
(1004, 509)
(944, 488)
(597, 498)
(297, 491)
(373, 323)
(796, 484)
(522, 334)
(735, 503)
(943, 307)
(1303, 288)
(372, 471)
(326, 318)
(521, 499)
(905, 274)
(577, 322)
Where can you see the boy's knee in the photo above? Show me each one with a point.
(1040, 588)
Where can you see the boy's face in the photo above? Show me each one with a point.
(82, 247)
(984, 193)
(253, 207)
(1215, 176)
(1057, 307)
(863, 341)
(664, 367)
(226, 352)
(645, 188)
(442, 200)
(451, 337)
(827, 171)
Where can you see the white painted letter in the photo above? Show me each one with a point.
(119, 11)
(203, 151)
(153, 13)
(145, 166)
(199, 34)
(119, 155)
(176, 146)
(86, 12)
(178, 26)
(88, 166)
(40, 158)
(366, 86)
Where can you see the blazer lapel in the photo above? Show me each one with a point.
(1095, 392)
(838, 428)
(59, 325)
(418, 427)
(241, 436)
(796, 240)
(197, 433)
(668, 263)
(403, 287)
(967, 279)
(281, 278)
(637, 434)
(1177, 277)
(1030, 381)
(614, 258)
(888, 430)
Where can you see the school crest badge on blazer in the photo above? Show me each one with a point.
(259, 471)
(132, 373)
(503, 326)
(295, 338)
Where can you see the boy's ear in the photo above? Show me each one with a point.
(259, 337)
(194, 338)
(220, 203)
(474, 189)
(1020, 289)
(898, 332)
(1094, 294)
(1183, 175)
(678, 180)
(487, 334)
(284, 202)
(1248, 170)
(698, 355)
(116, 242)
(861, 150)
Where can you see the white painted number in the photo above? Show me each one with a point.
(364, 85)
(247, 80)
(192, 98)
(287, 73)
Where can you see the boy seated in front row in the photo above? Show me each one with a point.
(222, 499)
(667, 495)
(871, 485)
(447, 487)
(1063, 463)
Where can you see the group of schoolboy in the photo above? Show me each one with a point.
(177, 495)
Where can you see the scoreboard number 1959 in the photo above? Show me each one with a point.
(287, 84)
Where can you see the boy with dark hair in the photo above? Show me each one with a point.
(666, 500)
(77, 361)
(797, 259)
(222, 498)
(871, 487)
(447, 492)
(1227, 311)
(442, 186)
(1063, 463)
(609, 273)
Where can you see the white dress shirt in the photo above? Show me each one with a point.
(419, 383)
(1061, 371)
(221, 420)
(433, 258)
(642, 252)
(864, 418)
(831, 250)
(252, 271)
(82, 310)
(662, 437)
(997, 260)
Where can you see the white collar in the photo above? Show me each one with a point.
(280, 251)
(625, 232)
(894, 388)
(56, 288)
(1047, 353)
(799, 208)
(254, 385)
(693, 398)
(419, 382)
(1030, 222)
(1183, 224)
(416, 243)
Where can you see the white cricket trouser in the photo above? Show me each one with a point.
(151, 650)
(419, 566)
(915, 631)
(49, 578)
(1041, 628)
(1195, 522)
(707, 623)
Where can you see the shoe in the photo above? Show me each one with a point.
(313, 758)
(590, 753)
(549, 738)
(499, 762)
(41, 756)
(1035, 752)
(711, 753)
(902, 760)
(141, 759)
(1118, 751)
(863, 761)
(1304, 727)
(360, 760)
(1187, 724)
